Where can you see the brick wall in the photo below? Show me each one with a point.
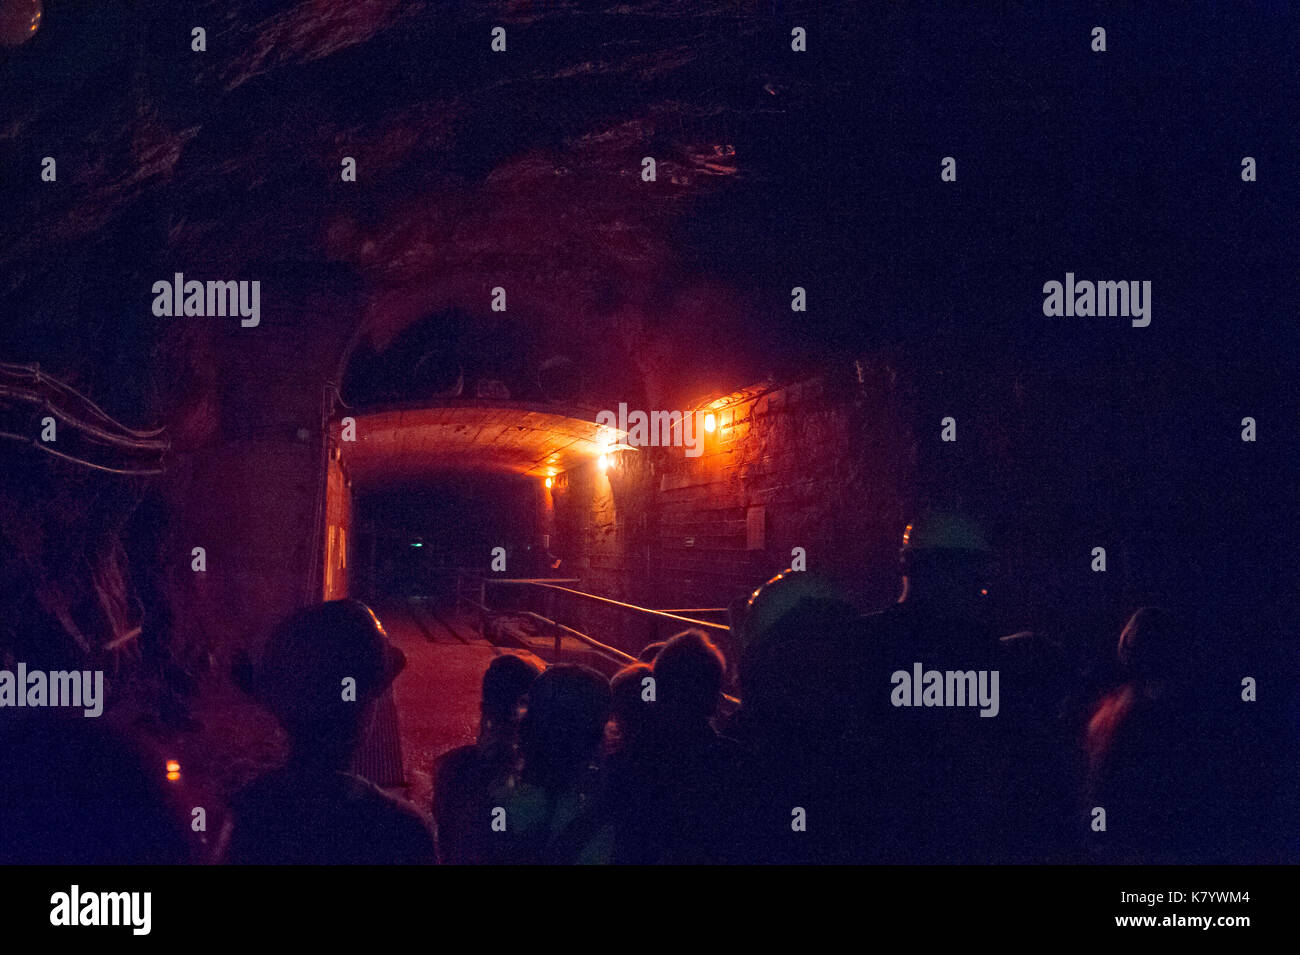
(822, 464)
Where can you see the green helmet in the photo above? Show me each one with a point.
(780, 595)
(945, 531)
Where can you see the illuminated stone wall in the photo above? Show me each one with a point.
(822, 464)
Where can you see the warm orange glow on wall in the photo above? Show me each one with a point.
(549, 482)
(710, 422)
(604, 462)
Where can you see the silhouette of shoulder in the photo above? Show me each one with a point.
(293, 817)
(455, 764)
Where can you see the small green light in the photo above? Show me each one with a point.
(417, 544)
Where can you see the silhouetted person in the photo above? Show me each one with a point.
(1154, 751)
(463, 777)
(550, 815)
(673, 787)
(630, 716)
(950, 784)
(650, 651)
(791, 670)
(320, 674)
(75, 792)
(799, 796)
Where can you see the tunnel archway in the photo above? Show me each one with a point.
(417, 495)
(398, 473)
(473, 435)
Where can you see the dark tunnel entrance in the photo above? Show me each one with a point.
(415, 493)
(411, 540)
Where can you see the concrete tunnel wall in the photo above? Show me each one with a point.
(822, 464)
(245, 483)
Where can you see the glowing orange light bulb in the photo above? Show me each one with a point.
(604, 462)
(710, 422)
(18, 21)
(548, 482)
(173, 770)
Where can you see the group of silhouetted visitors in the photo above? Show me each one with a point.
(916, 735)
(839, 752)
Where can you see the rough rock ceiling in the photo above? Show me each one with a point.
(475, 169)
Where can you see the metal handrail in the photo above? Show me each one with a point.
(660, 614)
(613, 653)
(559, 629)
(617, 655)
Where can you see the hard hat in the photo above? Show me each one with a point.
(309, 656)
(945, 530)
(778, 597)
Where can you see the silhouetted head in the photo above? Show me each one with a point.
(568, 706)
(651, 650)
(632, 711)
(946, 562)
(688, 674)
(793, 670)
(505, 685)
(319, 673)
(1155, 645)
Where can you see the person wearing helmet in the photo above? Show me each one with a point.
(320, 675)
(769, 603)
(788, 640)
(946, 562)
(940, 616)
(952, 776)
(794, 685)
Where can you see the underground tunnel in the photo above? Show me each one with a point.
(647, 329)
